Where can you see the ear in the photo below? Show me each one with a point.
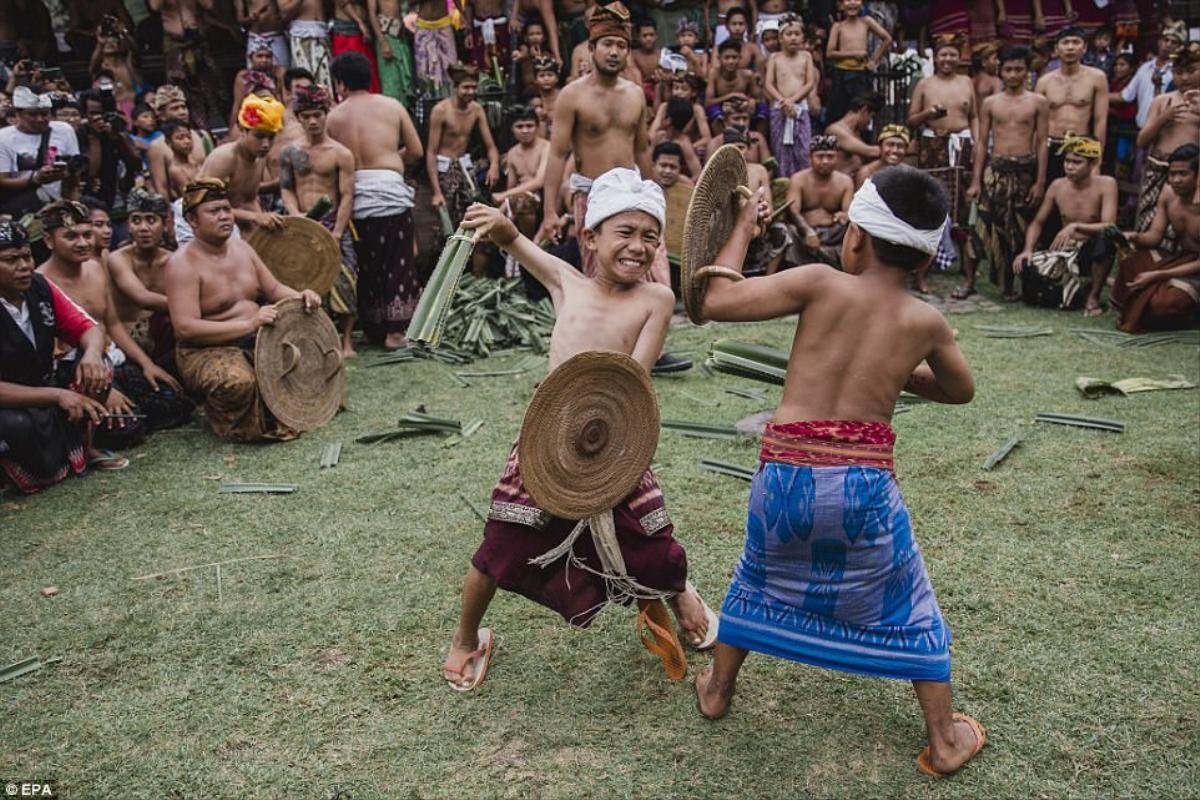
(856, 246)
(589, 239)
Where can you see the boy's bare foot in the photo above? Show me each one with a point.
(691, 616)
(348, 351)
(712, 700)
(394, 341)
(1093, 309)
(967, 737)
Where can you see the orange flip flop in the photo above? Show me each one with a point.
(657, 634)
(481, 658)
(926, 765)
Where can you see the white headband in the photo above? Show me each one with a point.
(620, 190)
(869, 212)
(26, 99)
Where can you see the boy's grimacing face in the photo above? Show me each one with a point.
(624, 245)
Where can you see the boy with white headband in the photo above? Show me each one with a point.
(831, 574)
(615, 309)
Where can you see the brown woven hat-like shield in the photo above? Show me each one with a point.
(298, 363)
(711, 214)
(302, 254)
(589, 434)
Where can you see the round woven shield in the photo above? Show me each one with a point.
(302, 254)
(710, 217)
(298, 363)
(588, 435)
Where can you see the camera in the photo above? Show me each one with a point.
(111, 26)
(75, 164)
(115, 119)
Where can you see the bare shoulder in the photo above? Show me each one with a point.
(658, 297)
(1107, 182)
(1043, 82)
(1097, 75)
(843, 180)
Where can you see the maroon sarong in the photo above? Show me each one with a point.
(1163, 305)
(517, 531)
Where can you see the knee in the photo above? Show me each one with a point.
(237, 387)
(16, 426)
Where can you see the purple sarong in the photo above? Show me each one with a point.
(792, 157)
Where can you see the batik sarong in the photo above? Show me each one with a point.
(395, 73)
(790, 139)
(435, 52)
(660, 267)
(1153, 180)
(491, 35)
(830, 248)
(190, 66)
(275, 41)
(1060, 278)
(1163, 305)
(309, 39)
(343, 296)
(1003, 216)
(517, 531)
(831, 574)
(347, 38)
(1055, 159)
(457, 182)
(947, 157)
(222, 378)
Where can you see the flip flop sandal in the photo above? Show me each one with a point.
(657, 634)
(963, 292)
(924, 762)
(710, 634)
(484, 658)
(108, 461)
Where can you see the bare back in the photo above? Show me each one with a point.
(377, 129)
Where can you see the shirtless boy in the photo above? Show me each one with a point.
(450, 168)
(525, 173)
(614, 309)
(213, 286)
(852, 150)
(1170, 123)
(791, 77)
(1013, 181)
(1087, 203)
(838, 528)
(251, 79)
(736, 114)
(321, 167)
(545, 78)
(818, 201)
(847, 54)
(1078, 97)
(943, 108)
(264, 25)
(727, 80)
(171, 106)
(241, 165)
(180, 169)
(136, 273)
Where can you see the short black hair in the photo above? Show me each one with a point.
(679, 112)
(866, 100)
(914, 197)
(1128, 58)
(1071, 31)
(728, 44)
(737, 10)
(1016, 52)
(169, 127)
(352, 69)
(522, 114)
(645, 23)
(1186, 152)
(96, 204)
(667, 149)
(290, 76)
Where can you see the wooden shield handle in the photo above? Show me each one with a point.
(717, 271)
(294, 361)
(337, 363)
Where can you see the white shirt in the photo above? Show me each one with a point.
(18, 153)
(20, 315)
(1141, 88)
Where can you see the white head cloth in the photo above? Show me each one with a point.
(24, 98)
(620, 190)
(869, 212)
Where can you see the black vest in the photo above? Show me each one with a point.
(22, 362)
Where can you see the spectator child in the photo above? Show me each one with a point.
(687, 40)
(144, 132)
(531, 48)
(1100, 54)
(791, 77)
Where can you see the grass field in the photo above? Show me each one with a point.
(1069, 576)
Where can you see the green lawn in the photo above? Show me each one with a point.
(1069, 577)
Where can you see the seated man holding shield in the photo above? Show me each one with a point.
(615, 310)
(214, 285)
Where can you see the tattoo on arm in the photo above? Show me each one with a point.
(286, 179)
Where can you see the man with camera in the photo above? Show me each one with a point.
(38, 157)
(106, 146)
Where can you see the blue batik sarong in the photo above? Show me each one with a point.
(831, 576)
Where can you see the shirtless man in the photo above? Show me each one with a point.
(818, 201)
(213, 286)
(140, 387)
(943, 108)
(320, 167)
(525, 173)
(264, 24)
(1088, 205)
(987, 73)
(383, 140)
(852, 151)
(187, 62)
(1011, 185)
(136, 272)
(308, 38)
(450, 168)
(171, 106)
(1170, 123)
(601, 118)
(240, 165)
(894, 141)
(1159, 289)
(1078, 97)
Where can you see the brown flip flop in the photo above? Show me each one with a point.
(657, 634)
(482, 657)
(924, 762)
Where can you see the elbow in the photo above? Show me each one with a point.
(965, 393)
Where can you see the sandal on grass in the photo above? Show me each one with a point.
(657, 634)
(108, 460)
(481, 658)
(924, 760)
(710, 632)
(963, 292)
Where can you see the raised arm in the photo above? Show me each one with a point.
(490, 223)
